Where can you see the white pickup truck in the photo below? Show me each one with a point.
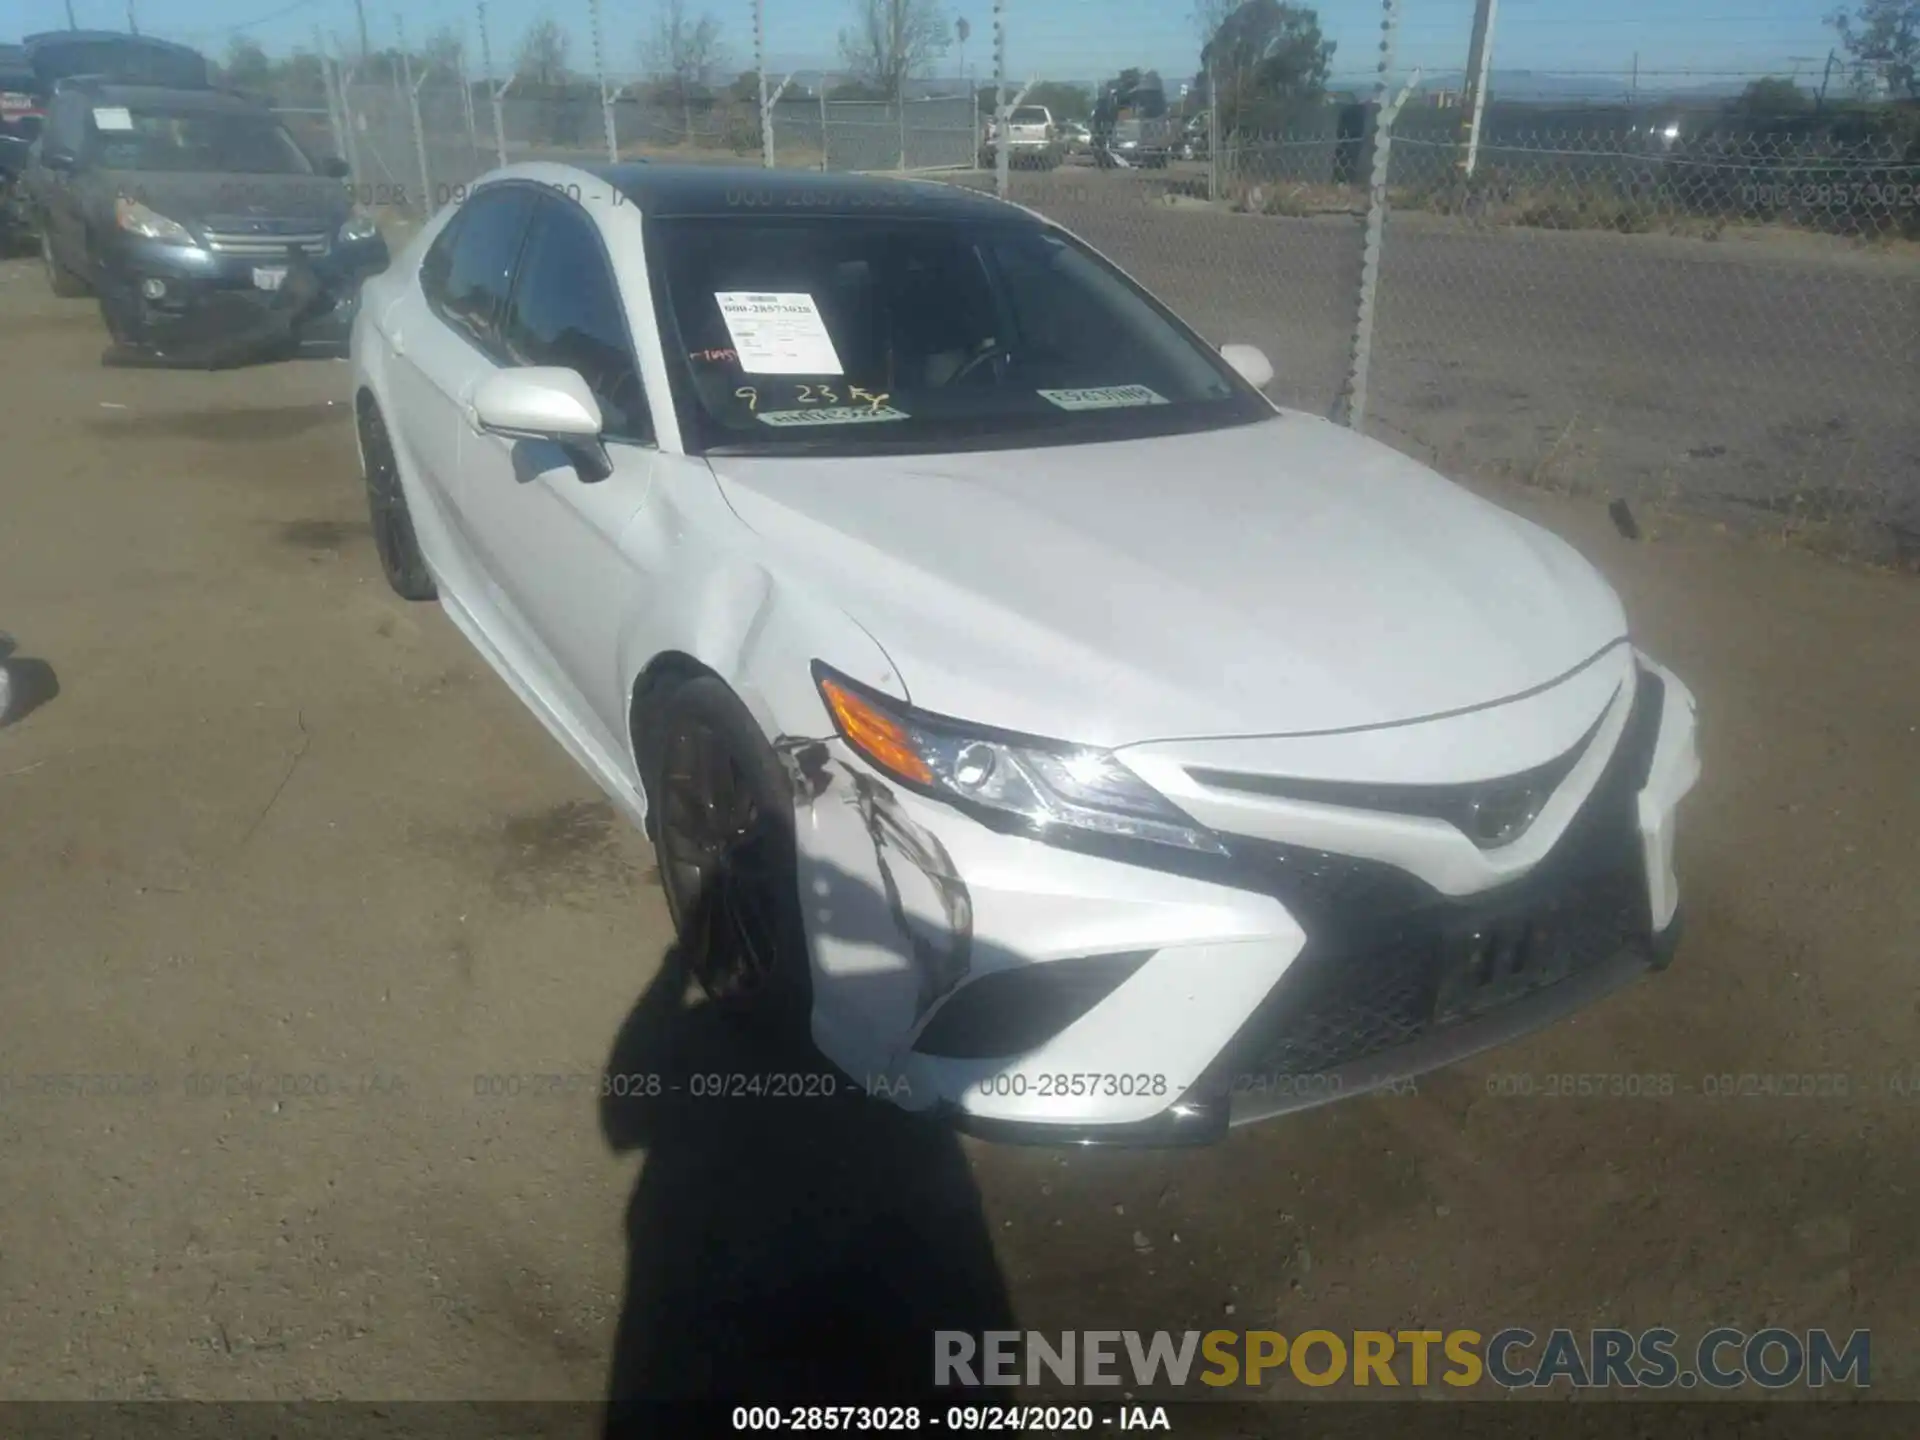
(1033, 140)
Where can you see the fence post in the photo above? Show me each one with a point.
(500, 118)
(496, 94)
(1213, 136)
(466, 106)
(1479, 69)
(1002, 165)
(343, 77)
(600, 77)
(336, 122)
(1352, 406)
(766, 122)
(419, 130)
(760, 70)
(824, 164)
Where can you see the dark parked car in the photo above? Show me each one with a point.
(205, 230)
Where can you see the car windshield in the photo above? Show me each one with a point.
(859, 334)
(212, 143)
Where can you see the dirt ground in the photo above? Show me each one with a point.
(278, 824)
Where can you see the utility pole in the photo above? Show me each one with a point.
(1633, 92)
(133, 25)
(359, 9)
(1479, 67)
(71, 25)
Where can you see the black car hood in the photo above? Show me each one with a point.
(227, 202)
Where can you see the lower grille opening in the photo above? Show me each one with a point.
(1012, 1012)
(1389, 960)
(1443, 967)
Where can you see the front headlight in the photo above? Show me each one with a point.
(136, 219)
(359, 226)
(1041, 786)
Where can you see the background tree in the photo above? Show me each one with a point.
(301, 78)
(1268, 60)
(540, 62)
(542, 57)
(686, 54)
(247, 66)
(443, 56)
(892, 40)
(1064, 101)
(1882, 41)
(1770, 98)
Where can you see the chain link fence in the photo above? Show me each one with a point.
(1726, 319)
(1727, 322)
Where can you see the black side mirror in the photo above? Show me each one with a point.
(335, 168)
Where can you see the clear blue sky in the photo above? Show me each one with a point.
(1062, 39)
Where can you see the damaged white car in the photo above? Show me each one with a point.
(1087, 747)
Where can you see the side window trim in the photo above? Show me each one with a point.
(555, 200)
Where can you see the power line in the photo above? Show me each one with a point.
(293, 8)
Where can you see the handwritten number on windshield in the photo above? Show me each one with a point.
(750, 395)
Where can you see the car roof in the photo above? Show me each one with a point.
(50, 38)
(736, 190)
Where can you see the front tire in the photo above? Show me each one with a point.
(62, 281)
(393, 534)
(721, 808)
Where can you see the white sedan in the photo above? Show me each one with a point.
(1087, 748)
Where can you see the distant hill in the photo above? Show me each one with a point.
(1525, 86)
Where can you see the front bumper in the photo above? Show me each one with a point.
(211, 308)
(1042, 995)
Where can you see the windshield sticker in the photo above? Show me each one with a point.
(779, 334)
(1106, 397)
(112, 117)
(832, 415)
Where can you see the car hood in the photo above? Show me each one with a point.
(1279, 578)
(233, 201)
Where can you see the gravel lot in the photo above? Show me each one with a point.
(280, 825)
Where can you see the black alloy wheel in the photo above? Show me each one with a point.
(387, 513)
(724, 835)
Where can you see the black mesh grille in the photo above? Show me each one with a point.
(1389, 959)
(1335, 1008)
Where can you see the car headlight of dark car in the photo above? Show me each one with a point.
(149, 224)
(358, 227)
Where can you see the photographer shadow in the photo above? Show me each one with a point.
(25, 684)
(793, 1247)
